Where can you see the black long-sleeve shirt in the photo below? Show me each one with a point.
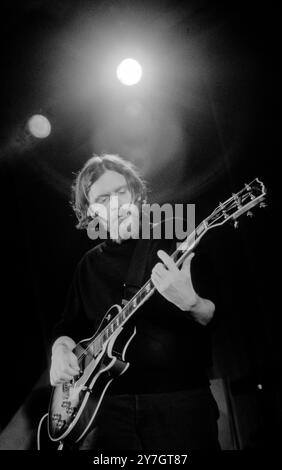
(170, 351)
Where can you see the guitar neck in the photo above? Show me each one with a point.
(146, 291)
(239, 203)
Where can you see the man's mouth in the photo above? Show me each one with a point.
(122, 217)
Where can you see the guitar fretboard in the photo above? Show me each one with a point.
(248, 197)
(119, 320)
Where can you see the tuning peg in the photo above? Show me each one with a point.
(250, 214)
(236, 223)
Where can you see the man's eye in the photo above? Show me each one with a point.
(103, 199)
(122, 191)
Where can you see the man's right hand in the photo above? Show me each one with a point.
(64, 364)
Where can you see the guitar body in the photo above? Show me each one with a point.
(74, 405)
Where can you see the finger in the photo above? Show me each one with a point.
(160, 284)
(52, 382)
(156, 281)
(74, 362)
(60, 381)
(64, 367)
(159, 265)
(168, 261)
(70, 371)
(187, 262)
(54, 379)
(158, 277)
(64, 377)
(160, 270)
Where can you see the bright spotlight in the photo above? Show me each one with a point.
(129, 72)
(39, 126)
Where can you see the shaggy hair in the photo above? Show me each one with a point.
(93, 169)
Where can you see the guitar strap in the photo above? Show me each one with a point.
(136, 271)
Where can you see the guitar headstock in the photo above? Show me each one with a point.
(251, 195)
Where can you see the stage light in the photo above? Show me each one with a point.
(39, 126)
(129, 72)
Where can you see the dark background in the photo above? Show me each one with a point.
(233, 139)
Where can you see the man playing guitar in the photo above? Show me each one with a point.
(163, 402)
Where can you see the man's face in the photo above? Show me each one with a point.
(109, 198)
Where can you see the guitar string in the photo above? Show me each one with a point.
(87, 350)
(136, 296)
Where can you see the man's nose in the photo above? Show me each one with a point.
(115, 202)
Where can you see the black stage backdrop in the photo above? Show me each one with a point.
(233, 139)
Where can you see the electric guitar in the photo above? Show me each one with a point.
(75, 404)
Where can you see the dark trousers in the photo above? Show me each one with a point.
(160, 422)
